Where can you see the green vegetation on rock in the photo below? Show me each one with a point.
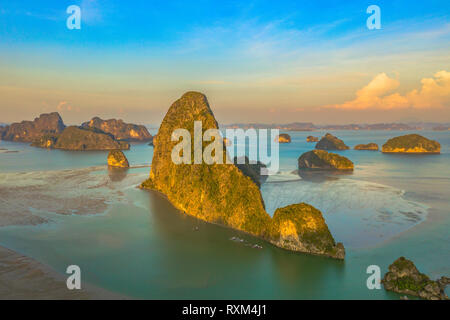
(321, 159)
(411, 143)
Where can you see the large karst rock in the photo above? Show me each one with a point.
(222, 193)
(28, 131)
(330, 142)
(403, 277)
(119, 129)
(323, 160)
(411, 143)
(301, 227)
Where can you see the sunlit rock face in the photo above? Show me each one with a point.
(29, 131)
(82, 139)
(116, 158)
(301, 227)
(119, 129)
(284, 138)
(330, 142)
(411, 143)
(403, 277)
(321, 159)
(312, 139)
(222, 193)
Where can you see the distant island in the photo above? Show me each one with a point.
(411, 143)
(225, 195)
(49, 131)
(369, 146)
(119, 129)
(309, 126)
(330, 142)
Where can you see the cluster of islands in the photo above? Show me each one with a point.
(229, 194)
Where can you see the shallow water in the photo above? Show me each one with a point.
(140, 246)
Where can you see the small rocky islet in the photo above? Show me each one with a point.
(330, 142)
(117, 159)
(312, 139)
(49, 131)
(324, 160)
(283, 138)
(404, 277)
(223, 194)
(411, 143)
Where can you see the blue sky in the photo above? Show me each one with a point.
(256, 60)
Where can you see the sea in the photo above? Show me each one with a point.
(135, 243)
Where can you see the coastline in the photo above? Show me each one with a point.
(22, 277)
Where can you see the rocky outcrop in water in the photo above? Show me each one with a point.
(301, 227)
(119, 129)
(216, 193)
(312, 139)
(116, 158)
(403, 277)
(370, 146)
(321, 159)
(330, 142)
(80, 139)
(411, 143)
(283, 138)
(28, 131)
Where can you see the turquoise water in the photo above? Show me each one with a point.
(140, 246)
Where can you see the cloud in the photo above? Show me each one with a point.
(379, 94)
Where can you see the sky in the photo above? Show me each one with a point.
(256, 61)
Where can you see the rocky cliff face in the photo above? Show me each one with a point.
(403, 277)
(284, 138)
(370, 146)
(321, 159)
(216, 193)
(119, 129)
(28, 131)
(411, 143)
(116, 158)
(80, 139)
(330, 142)
(301, 227)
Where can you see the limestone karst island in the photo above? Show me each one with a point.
(226, 159)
